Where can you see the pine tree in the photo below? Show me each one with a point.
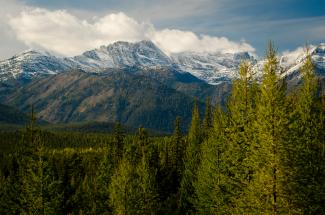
(105, 173)
(123, 192)
(40, 189)
(207, 121)
(240, 132)
(194, 134)
(213, 188)
(132, 189)
(119, 136)
(305, 155)
(265, 192)
(32, 170)
(10, 186)
(143, 137)
(191, 163)
(178, 147)
(148, 197)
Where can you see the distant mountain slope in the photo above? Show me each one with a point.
(111, 96)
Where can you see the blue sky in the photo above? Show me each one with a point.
(289, 23)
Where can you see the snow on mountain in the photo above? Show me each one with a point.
(118, 55)
(122, 54)
(292, 62)
(30, 63)
(213, 68)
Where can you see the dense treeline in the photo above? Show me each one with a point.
(262, 154)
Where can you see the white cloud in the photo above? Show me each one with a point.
(291, 57)
(174, 41)
(8, 43)
(295, 53)
(65, 34)
(61, 32)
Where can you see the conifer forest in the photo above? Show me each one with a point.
(262, 152)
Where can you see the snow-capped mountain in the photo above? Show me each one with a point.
(292, 62)
(31, 63)
(213, 68)
(118, 55)
(122, 54)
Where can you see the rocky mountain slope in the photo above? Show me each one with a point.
(109, 96)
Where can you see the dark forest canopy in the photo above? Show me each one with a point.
(262, 154)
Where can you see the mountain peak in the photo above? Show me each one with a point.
(33, 52)
(125, 44)
(123, 54)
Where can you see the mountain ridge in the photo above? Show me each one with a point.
(213, 68)
(143, 54)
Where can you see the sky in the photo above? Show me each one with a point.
(70, 27)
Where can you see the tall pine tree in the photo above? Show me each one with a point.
(191, 163)
(305, 152)
(265, 191)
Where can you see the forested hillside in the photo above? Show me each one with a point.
(261, 153)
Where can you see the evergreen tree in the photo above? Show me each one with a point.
(40, 194)
(213, 188)
(191, 163)
(178, 147)
(143, 137)
(123, 192)
(105, 173)
(207, 121)
(265, 192)
(148, 197)
(305, 152)
(240, 132)
(10, 186)
(119, 136)
(132, 190)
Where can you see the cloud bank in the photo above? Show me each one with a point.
(61, 32)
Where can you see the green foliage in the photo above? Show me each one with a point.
(265, 192)
(305, 181)
(178, 148)
(207, 121)
(191, 163)
(132, 189)
(123, 193)
(212, 187)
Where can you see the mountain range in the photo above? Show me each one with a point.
(210, 67)
(134, 83)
